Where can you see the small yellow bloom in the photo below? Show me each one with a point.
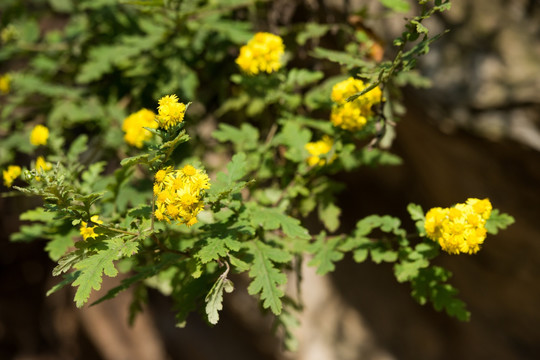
(318, 149)
(42, 166)
(170, 111)
(5, 83)
(179, 194)
(461, 228)
(12, 172)
(39, 135)
(353, 115)
(262, 53)
(88, 231)
(134, 127)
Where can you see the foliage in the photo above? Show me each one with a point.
(110, 59)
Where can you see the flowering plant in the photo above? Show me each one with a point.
(124, 165)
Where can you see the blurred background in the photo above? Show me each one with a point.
(474, 133)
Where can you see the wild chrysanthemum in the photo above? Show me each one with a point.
(12, 172)
(262, 53)
(5, 83)
(39, 135)
(170, 111)
(461, 228)
(353, 115)
(179, 194)
(134, 127)
(318, 149)
(88, 231)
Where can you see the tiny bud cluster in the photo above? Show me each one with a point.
(262, 53)
(461, 228)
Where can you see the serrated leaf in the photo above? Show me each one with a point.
(329, 215)
(408, 270)
(302, 77)
(341, 58)
(266, 278)
(272, 219)
(212, 250)
(92, 269)
(59, 244)
(227, 183)
(37, 214)
(245, 138)
(68, 279)
(325, 254)
(214, 299)
(498, 221)
(141, 274)
(134, 160)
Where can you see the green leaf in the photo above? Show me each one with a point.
(498, 221)
(302, 77)
(295, 138)
(326, 254)
(59, 244)
(341, 58)
(430, 285)
(380, 253)
(267, 280)
(227, 183)
(329, 215)
(134, 160)
(38, 214)
(214, 298)
(396, 5)
(213, 249)
(92, 269)
(408, 270)
(311, 31)
(272, 219)
(68, 279)
(244, 138)
(141, 274)
(417, 214)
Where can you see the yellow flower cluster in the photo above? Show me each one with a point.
(88, 231)
(262, 53)
(5, 83)
(39, 135)
(461, 228)
(319, 148)
(178, 194)
(12, 172)
(170, 111)
(42, 166)
(134, 127)
(353, 115)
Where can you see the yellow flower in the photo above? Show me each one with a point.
(461, 228)
(39, 135)
(134, 127)
(42, 166)
(353, 115)
(179, 194)
(170, 111)
(319, 148)
(12, 172)
(5, 82)
(88, 231)
(262, 53)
